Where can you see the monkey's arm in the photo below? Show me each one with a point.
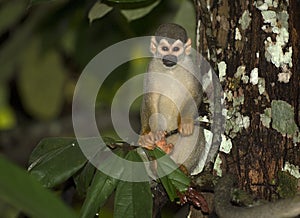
(149, 137)
(146, 111)
(224, 209)
(150, 100)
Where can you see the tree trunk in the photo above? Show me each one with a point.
(256, 43)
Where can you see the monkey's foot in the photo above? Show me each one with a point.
(194, 197)
(152, 140)
(186, 127)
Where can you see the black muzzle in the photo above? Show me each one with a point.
(169, 60)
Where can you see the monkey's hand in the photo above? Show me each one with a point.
(149, 140)
(167, 148)
(152, 139)
(186, 126)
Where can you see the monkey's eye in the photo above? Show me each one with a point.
(176, 48)
(165, 48)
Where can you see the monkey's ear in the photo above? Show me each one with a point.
(153, 45)
(188, 46)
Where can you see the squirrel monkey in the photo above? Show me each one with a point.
(171, 99)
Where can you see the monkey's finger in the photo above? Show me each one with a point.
(150, 137)
(142, 140)
(150, 147)
(146, 139)
(143, 143)
(159, 135)
(150, 140)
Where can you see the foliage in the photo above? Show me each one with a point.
(48, 76)
(100, 9)
(48, 166)
(20, 189)
(47, 162)
(48, 43)
(132, 199)
(174, 181)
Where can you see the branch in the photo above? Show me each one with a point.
(279, 209)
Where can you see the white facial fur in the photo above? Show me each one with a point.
(165, 48)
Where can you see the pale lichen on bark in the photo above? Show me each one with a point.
(277, 49)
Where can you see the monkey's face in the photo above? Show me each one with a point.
(170, 52)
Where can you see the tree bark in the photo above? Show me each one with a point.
(256, 43)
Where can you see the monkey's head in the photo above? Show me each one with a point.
(171, 44)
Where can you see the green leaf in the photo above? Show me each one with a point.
(110, 142)
(133, 199)
(22, 191)
(133, 14)
(55, 160)
(172, 178)
(41, 82)
(101, 188)
(98, 10)
(98, 193)
(39, 1)
(127, 1)
(169, 187)
(83, 179)
(10, 13)
(7, 118)
(7, 210)
(48, 145)
(15, 42)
